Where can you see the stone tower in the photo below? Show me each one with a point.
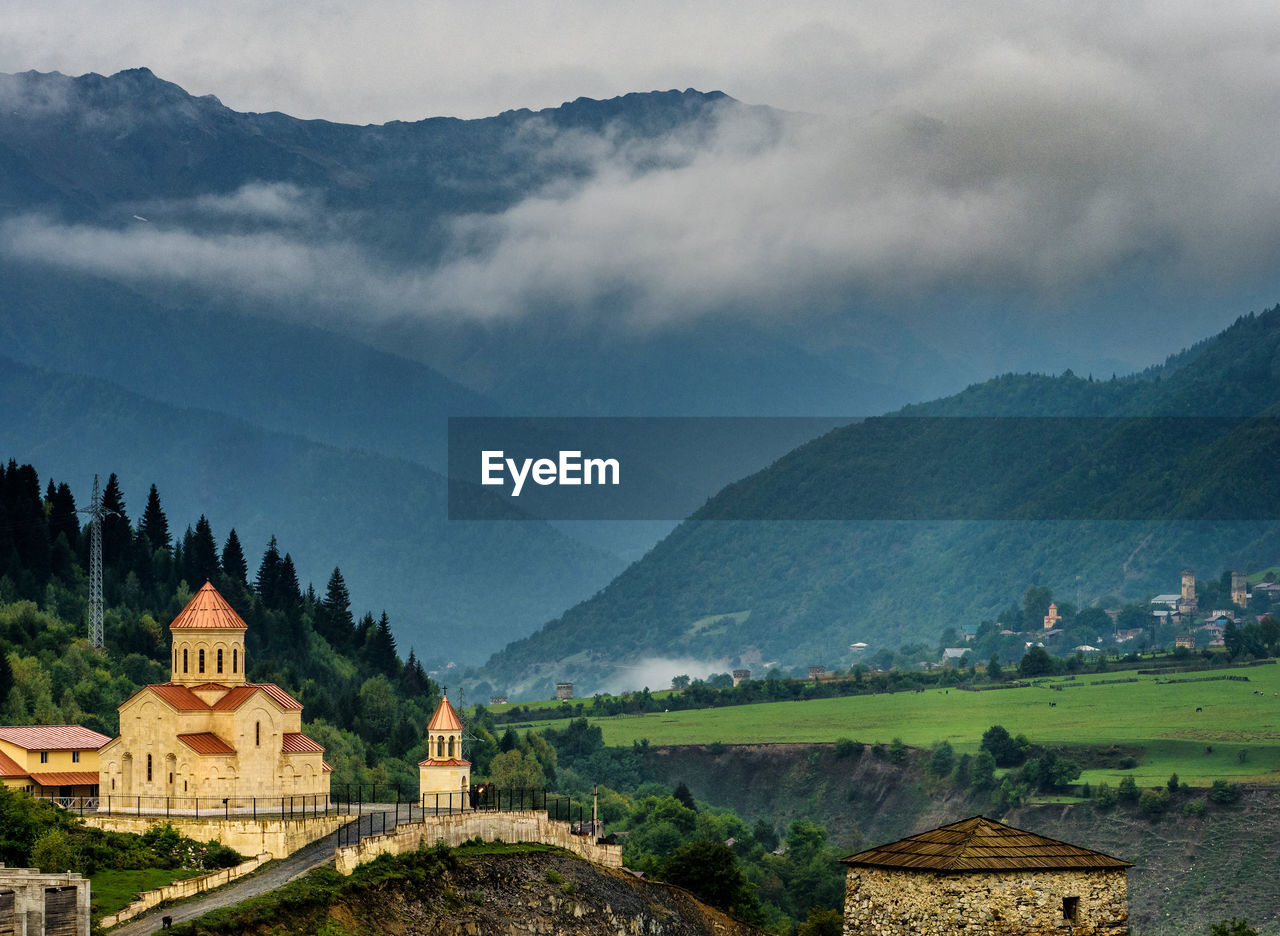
(1188, 604)
(1239, 590)
(208, 642)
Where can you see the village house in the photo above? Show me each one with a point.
(208, 732)
(51, 760)
(984, 878)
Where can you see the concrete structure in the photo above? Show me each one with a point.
(181, 890)
(740, 676)
(984, 878)
(37, 904)
(208, 732)
(51, 760)
(564, 690)
(277, 837)
(1239, 590)
(456, 828)
(444, 771)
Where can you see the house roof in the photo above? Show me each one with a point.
(295, 742)
(9, 767)
(53, 737)
(445, 718)
(208, 610)
(67, 778)
(184, 700)
(179, 697)
(982, 844)
(206, 742)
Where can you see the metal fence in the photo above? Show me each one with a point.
(217, 807)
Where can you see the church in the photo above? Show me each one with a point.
(208, 732)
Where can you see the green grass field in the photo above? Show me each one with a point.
(115, 890)
(1159, 718)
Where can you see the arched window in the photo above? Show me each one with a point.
(148, 768)
(235, 659)
(219, 659)
(184, 659)
(257, 733)
(451, 745)
(440, 746)
(201, 660)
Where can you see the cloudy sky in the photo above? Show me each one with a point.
(1042, 159)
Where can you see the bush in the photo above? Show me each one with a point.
(1104, 797)
(846, 747)
(1154, 802)
(1128, 790)
(1193, 808)
(943, 760)
(897, 751)
(1223, 792)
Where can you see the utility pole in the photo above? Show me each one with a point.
(95, 513)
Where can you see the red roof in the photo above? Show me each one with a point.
(10, 768)
(180, 697)
(327, 766)
(237, 697)
(444, 762)
(206, 742)
(209, 611)
(67, 778)
(295, 742)
(445, 718)
(54, 737)
(285, 700)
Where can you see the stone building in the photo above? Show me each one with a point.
(740, 676)
(444, 776)
(564, 690)
(984, 878)
(37, 904)
(1239, 589)
(208, 732)
(50, 760)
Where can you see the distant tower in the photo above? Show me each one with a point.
(564, 691)
(444, 777)
(1239, 589)
(1051, 619)
(740, 676)
(1187, 604)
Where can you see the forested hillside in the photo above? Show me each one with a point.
(364, 703)
(894, 529)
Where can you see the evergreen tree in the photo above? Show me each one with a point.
(412, 679)
(333, 616)
(117, 534)
(154, 525)
(6, 675)
(202, 557)
(62, 514)
(233, 563)
(290, 594)
(267, 583)
(381, 648)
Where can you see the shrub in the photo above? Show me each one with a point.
(943, 760)
(1154, 802)
(847, 747)
(1128, 790)
(1223, 792)
(897, 751)
(877, 751)
(1104, 797)
(1193, 808)
(1172, 785)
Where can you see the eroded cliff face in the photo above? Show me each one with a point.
(515, 894)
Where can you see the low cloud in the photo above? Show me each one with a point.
(657, 673)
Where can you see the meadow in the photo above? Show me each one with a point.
(1202, 728)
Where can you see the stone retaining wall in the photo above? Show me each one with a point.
(880, 902)
(180, 889)
(278, 838)
(456, 828)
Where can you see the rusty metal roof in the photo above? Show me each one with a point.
(53, 737)
(445, 718)
(206, 742)
(9, 767)
(209, 611)
(295, 742)
(982, 844)
(67, 778)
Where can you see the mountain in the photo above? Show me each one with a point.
(382, 519)
(893, 529)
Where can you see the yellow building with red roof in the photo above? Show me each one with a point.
(50, 760)
(444, 773)
(208, 732)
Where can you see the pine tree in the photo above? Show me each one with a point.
(117, 534)
(290, 594)
(203, 556)
(411, 683)
(233, 563)
(267, 583)
(333, 616)
(62, 514)
(381, 648)
(6, 675)
(155, 525)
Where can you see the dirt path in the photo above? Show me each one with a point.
(269, 878)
